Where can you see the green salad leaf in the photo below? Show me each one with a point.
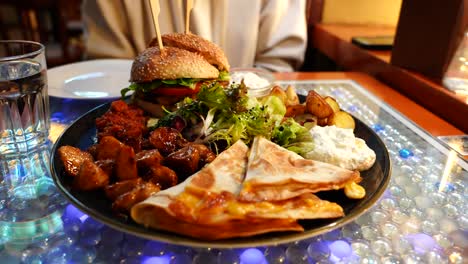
(293, 136)
(220, 114)
(187, 82)
(149, 86)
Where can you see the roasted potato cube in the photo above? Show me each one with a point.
(291, 96)
(72, 158)
(108, 148)
(322, 121)
(90, 177)
(333, 103)
(317, 106)
(295, 110)
(280, 93)
(341, 119)
(126, 164)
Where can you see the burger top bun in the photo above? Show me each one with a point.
(194, 43)
(170, 63)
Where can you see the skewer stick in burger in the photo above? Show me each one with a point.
(161, 78)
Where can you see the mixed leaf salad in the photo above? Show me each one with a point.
(220, 116)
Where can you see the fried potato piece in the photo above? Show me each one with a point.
(322, 121)
(316, 105)
(117, 189)
(280, 93)
(72, 158)
(126, 164)
(333, 103)
(124, 202)
(341, 119)
(295, 110)
(90, 177)
(291, 96)
(108, 148)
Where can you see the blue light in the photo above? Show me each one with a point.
(156, 260)
(340, 249)
(71, 212)
(252, 256)
(378, 128)
(405, 153)
(352, 108)
(448, 187)
(422, 243)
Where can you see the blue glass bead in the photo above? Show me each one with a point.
(71, 212)
(340, 249)
(405, 153)
(90, 237)
(252, 256)
(108, 252)
(352, 108)
(378, 128)
(153, 248)
(156, 260)
(422, 243)
(71, 226)
(83, 255)
(111, 236)
(91, 224)
(448, 187)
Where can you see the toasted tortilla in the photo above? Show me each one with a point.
(275, 173)
(206, 204)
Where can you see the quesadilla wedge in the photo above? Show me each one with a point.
(275, 173)
(205, 205)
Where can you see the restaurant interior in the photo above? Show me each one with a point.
(399, 68)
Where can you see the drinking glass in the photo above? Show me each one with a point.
(29, 201)
(24, 102)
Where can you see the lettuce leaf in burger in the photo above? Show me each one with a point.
(161, 78)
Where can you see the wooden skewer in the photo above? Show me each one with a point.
(187, 15)
(155, 13)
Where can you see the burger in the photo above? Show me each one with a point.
(162, 77)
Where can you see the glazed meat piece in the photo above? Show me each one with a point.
(124, 202)
(117, 189)
(108, 148)
(93, 150)
(184, 161)
(125, 164)
(106, 165)
(148, 158)
(90, 177)
(166, 140)
(206, 155)
(125, 122)
(162, 176)
(72, 158)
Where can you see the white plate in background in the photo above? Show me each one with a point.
(93, 79)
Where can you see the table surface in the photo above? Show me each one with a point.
(422, 216)
(334, 40)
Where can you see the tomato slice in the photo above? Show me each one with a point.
(177, 90)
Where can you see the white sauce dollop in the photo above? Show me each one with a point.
(340, 147)
(251, 79)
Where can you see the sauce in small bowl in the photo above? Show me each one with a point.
(259, 82)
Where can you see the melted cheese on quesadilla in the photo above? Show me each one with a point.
(206, 204)
(282, 174)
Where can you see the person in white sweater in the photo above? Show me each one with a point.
(268, 34)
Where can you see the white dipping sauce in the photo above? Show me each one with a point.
(251, 79)
(340, 147)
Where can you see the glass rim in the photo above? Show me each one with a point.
(25, 55)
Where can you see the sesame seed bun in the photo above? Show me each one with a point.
(207, 49)
(170, 63)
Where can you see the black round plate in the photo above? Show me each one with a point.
(82, 134)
